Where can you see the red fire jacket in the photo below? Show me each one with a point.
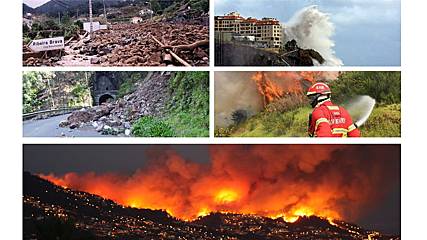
(328, 120)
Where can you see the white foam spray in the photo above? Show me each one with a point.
(360, 108)
(313, 29)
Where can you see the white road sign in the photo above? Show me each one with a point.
(96, 26)
(47, 44)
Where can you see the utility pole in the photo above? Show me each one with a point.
(59, 18)
(90, 19)
(105, 11)
(151, 11)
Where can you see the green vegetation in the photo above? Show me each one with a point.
(152, 127)
(271, 124)
(155, 6)
(48, 28)
(384, 87)
(33, 84)
(188, 107)
(80, 93)
(53, 90)
(126, 87)
(195, 6)
(384, 122)
(129, 82)
(281, 119)
(202, 5)
(186, 112)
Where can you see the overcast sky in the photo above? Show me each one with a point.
(35, 3)
(61, 159)
(367, 32)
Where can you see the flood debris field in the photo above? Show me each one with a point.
(126, 44)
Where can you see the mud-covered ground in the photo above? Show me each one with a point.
(131, 45)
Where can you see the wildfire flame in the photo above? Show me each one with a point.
(266, 180)
(275, 85)
(226, 196)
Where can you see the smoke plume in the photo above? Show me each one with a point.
(312, 29)
(332, 181)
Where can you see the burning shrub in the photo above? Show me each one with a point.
(152, 127)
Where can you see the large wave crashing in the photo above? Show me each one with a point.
(313, 29)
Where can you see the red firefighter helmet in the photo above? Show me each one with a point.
(319, 88)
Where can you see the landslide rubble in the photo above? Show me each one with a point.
(133, 45)
(117, 117)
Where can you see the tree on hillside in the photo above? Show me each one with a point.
(155, 5)
(34, 83)
(384, 87)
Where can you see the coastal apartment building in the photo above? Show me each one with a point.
(267, 30)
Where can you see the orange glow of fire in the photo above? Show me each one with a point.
(275, 85)
(300, 212)
(218, 203)
(226, 196)
(304, 211)
(264, 180)
(203, 212)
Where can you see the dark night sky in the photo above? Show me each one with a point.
(60, 159)
(125, 159)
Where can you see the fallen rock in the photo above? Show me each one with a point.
(127, 132)
(100, 127)
(126, 125)
(80, 116)
(94, 60)
(64, 123)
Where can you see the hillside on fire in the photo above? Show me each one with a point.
(262, 192)
(116, 33)
(274, 104)
(139, 104)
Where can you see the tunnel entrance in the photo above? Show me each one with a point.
(105, 87)
(106, 98)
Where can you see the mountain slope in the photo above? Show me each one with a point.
(27, 9)
(54, 6)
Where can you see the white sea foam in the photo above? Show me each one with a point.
(313, 29)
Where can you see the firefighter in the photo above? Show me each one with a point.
(327, 119)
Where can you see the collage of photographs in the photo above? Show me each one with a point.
(211, 119)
